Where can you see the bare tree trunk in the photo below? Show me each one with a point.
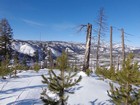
(118, 63)
(111, 59)
(101, 27)
(123, 46)
(88, 45)
(50, 59)
(98, 46)
(67, 52)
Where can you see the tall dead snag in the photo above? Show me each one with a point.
(118, 63)
(50, 59)
(111, 59)
(88, 45)
(101, 27)
(123, 46)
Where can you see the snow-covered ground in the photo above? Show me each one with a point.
(26, 89)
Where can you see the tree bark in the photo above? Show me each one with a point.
(88, 45)
(118, 63)
(123, 46)
(98, 46)
(111, 59)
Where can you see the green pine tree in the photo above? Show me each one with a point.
(128, 76)
(136, 96)
(36, 56)
(24, 63)
(5, 38)
(59, 84)
(36, 67)
(16, 65)
(107, 73)
(4, 68)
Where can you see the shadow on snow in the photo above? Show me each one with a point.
(9, 91)
(26, 102)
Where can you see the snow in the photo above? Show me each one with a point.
(24, 90)
(83, 74)
(55, 52)
(27, 87)
(90, 91)
(24, 48)
(27, 49)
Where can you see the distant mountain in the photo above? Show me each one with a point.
(29, 47)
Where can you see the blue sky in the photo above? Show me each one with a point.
(59, 19)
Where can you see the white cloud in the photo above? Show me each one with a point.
(53, 26)
(62, 26)
(30, 22)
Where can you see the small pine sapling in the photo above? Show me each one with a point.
(88, 72)
(4, 69)
(59, 84)
(36, 67)
(16, 65)
(128, 76)
(106, 73)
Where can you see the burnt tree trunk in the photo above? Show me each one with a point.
(123, 47)
(50, 59)
(88, 45)
(111, 58)
(118, 64)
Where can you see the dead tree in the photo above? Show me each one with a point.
(123, 46)
(101, 27)
(118, 63)
(50, 59)
(88, 45)
(111, 58)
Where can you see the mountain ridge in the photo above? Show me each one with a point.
(29, 47)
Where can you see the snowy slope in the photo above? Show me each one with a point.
(23, 47)
(90, 91)
(29, 47)
(26, 90)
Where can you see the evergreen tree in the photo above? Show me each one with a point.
(62, 62)
(5, 38)
(107, 73)
(16, 64)
(24, 62)
(128, 76)
(36, 67)
(136, 96)
(59, 84)
(4, 69)
(36, 55)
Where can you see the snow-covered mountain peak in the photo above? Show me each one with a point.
(23, 47)
(27, 49)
